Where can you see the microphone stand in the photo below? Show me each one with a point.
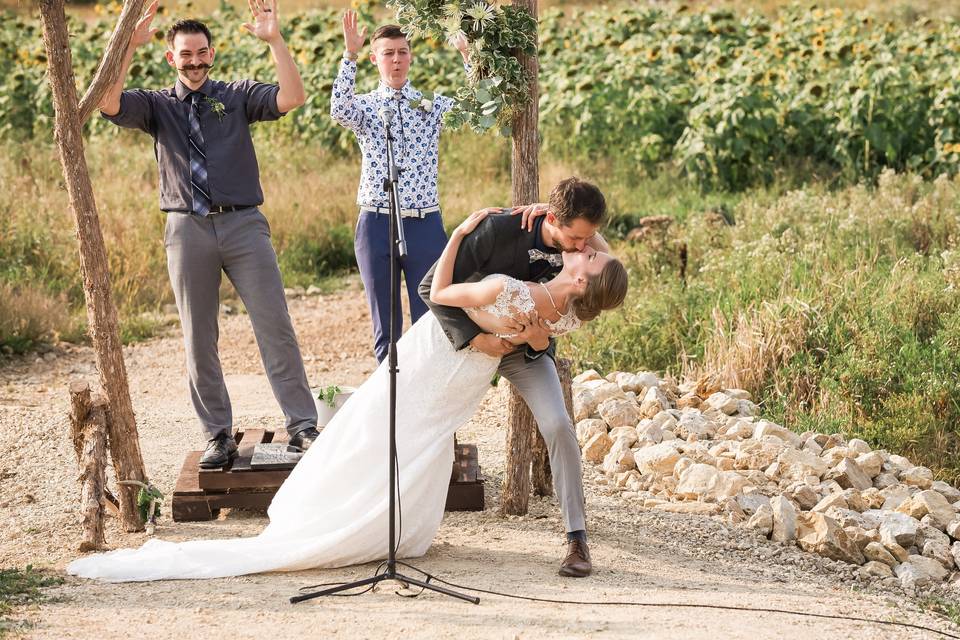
(398, 250)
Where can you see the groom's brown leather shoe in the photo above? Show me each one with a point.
(303, 439)
(577, 563)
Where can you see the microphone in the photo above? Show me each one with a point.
(386, 115)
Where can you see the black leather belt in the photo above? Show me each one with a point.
(226, 208)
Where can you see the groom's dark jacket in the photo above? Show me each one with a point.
(498, 245)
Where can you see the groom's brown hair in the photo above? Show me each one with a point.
(575, 198)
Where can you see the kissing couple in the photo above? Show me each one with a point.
(492, 278)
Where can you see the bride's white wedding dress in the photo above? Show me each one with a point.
(332, 510)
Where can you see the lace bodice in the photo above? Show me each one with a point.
(514, 300)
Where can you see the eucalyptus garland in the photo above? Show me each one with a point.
(497, 85)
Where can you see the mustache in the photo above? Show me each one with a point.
(195, 67)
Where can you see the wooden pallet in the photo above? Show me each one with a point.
(201, 493)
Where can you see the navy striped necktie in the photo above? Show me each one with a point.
(198, 159)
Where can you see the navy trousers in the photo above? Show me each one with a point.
(426, 239)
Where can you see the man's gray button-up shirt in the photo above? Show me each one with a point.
(232, 172)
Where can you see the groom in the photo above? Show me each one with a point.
(501, 244)
(210, 191)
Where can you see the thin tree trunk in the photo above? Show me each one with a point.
(101, 312)
(88, 420)
(526, 181)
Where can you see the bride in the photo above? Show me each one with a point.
(332, 510)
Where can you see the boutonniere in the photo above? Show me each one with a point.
(424, 103)
(216, 107)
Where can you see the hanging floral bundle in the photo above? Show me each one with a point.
(497, 33)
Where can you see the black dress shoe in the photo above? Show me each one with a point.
(303, 439)
(219, 451)
(577, 563)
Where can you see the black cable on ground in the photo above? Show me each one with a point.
(675, 605)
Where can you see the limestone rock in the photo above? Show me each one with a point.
(584, 404)
(872, 498)
(693, 423)
(939, 551)
(752, 502)
(588, 428)
(849, 475)
(875, 569)
(759, 454)
(830, 501)
(695, 508)
(597, 447)
(952, 494)
(796, 464)
(619, 412)
(765, 428)
(784, 519)
(589, 374)
(689, 401)
(697, 481)
(899, 528)
(803, 494)
(723, 403)
(917, 477)
(627, 434)
(918, 571)
(762, 520)
(885, 480)
(821, 534)
(858, 446)
(953, 529)
(654, 401)
(929, 502)
(659, 458)
(871, 463)
(876, 552)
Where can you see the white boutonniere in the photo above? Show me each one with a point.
(424, 103)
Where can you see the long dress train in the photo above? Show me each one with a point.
(333, 509)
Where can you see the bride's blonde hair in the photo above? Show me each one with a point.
(604, 291)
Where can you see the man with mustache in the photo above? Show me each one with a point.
(210, 191)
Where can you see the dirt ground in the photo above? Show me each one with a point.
(641, 556)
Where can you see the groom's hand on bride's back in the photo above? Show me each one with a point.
(492, 345)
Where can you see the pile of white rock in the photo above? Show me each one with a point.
(696, 448)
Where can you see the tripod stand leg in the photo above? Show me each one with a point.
(437, 588)
(338, 589)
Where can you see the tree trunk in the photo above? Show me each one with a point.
(88, 422)
(101, 313)
(526, 181)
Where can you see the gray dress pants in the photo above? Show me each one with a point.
(538, 384)
(237, 243)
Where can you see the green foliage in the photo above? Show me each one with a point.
(498, 85)
(145, 496)
(22, 587)
(328, 395)
(727, 99)
(864, 281)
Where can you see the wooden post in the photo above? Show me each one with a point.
(89, 432)
(101, 312)
(526, 189)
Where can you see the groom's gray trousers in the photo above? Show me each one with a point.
(199, 250)
(539, 385)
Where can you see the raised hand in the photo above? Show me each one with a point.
(143, 32)
(353, 38)
(266, 22)
(460, 43)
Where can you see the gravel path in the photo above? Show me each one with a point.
(644, 556)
